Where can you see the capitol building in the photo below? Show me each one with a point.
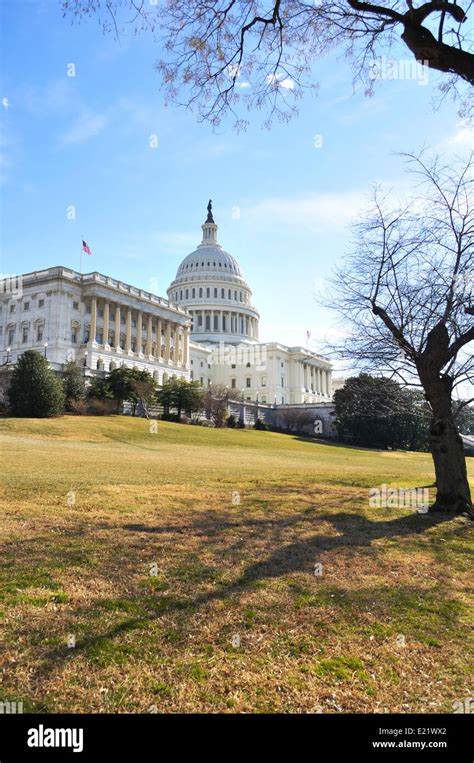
(206, 330)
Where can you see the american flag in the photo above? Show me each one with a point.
(85, 247)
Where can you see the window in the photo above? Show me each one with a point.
(75, 305)
(187, 293)
(134, 323)
(248, 381)
(11, 336)
(200, 292)
(74, 336)
(202, 380)
(12, 308)
(24, 336)
(200, 320)
(41, 303)
(240, 296)
(39, 334)
(233, 365)
(233, 383)
(193, 293)
(248, 365)
(88, 308)
(215, 292)
(223, 293)
(216, 323)
(282, 382)
(264, 381)
(26, 306)
(264, 399)
(208, 322)
(208, 292)
(100, 312)
(224, 323)
(235, 295)
(181, 294)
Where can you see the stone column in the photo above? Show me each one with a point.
(149, 335)
(105, 329)
(168, 341)
(128, 330)
(187, 331)
(93, 319)
(176, 344)
(158, 337)
(139, 332)
(117, 327)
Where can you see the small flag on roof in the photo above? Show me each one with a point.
(85, 247)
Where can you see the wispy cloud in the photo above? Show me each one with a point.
(314, 211)
(87, 125)
(461, 138)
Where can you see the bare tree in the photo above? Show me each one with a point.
(297, 420)
(261, 52)
(407, 294)
(216, 404)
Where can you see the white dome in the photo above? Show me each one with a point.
(207, 260)
(210, 286)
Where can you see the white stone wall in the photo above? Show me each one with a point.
(276, 373)
(55, 310)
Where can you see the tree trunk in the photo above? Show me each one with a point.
(453, 495)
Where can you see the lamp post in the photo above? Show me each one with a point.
(85, 359)
(45, 348)
(8, 355)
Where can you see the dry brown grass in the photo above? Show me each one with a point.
(165, 641)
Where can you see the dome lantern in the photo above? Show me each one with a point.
(209, 229)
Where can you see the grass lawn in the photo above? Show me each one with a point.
(233, 618)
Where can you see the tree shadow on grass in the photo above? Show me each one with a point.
(354, 531)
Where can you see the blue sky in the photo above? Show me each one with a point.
(85, 141)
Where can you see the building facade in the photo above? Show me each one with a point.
(94, 320)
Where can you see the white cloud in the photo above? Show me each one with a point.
(462, 137)
(86, 126)
(314, 211)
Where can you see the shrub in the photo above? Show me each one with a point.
(231, 421)
(73, 384)
(260, 424)
(35, 391)
(79, 407)
(98, 408)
